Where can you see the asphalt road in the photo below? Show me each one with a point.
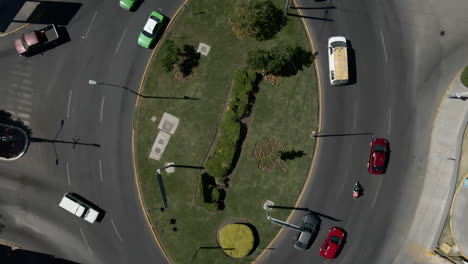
(403, 65)
(45, 89)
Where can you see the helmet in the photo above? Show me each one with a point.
(355, 194)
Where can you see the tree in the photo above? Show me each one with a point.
(169, 55)
(261, 19)
(269, 20)
(190, 59)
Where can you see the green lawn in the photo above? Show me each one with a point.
(288, 112)
(464, 77)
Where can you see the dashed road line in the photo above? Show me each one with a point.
(68, 175)
(117, 232)
(389, 121)
(120, 41)
(102, 109)
(100, 170)
(86, 242)
(90, 25)
(383, 45)
(377, 192)
(68, 107)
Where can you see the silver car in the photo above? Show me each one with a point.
(310, 226)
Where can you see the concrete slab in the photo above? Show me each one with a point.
(159, 145)
(169, 123)
(203, 49)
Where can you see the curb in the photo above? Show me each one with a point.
(135, 168)
(450, 214)
(14, 30)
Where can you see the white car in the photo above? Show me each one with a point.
(78, 207)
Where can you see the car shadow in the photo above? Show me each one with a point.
(137, 5)
(158, 36)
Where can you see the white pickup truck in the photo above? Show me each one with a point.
(78, 207)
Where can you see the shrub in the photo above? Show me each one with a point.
(220, 162)
(169, 55)
(237, 240)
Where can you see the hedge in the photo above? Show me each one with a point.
(220, 162)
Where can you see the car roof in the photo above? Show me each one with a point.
(150, 25)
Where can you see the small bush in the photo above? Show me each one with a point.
(237, 240)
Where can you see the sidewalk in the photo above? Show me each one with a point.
(459, 209)
(439, 184)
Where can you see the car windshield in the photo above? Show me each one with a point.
(380, 148)
(150, 26)
(377, 168)
(338, 44)
(23, 42)
(335, 240)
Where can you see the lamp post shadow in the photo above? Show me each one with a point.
(92, 82)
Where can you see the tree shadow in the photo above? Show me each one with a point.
(7, 119)
(290, 155)
(301, 59)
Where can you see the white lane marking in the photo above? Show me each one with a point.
(389, 121)
(117, 232)
(120, 41)
(68, 175)
(377, 192)
(355, 115)
(86, 242)
(100, 169)
(24, 115)
(68, 107)
(383, 44)
(90, 25)
(102, 109)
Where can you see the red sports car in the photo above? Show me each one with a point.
(377, 156)
(333, 243)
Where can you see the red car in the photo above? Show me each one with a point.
(377, 156)
(333, 243)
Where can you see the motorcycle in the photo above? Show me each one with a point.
(357, 190)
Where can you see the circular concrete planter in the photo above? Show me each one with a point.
(25, 146)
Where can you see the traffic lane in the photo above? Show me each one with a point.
(336, 119)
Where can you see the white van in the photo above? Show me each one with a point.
(80, 208)
(338, 60)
